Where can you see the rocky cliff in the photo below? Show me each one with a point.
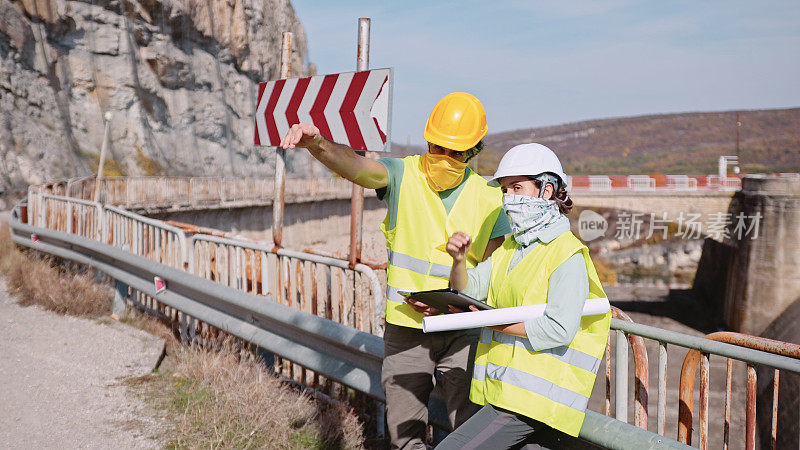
(180, 79)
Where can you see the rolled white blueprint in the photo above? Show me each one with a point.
(502, 316)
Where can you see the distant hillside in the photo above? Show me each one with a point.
(665, 143)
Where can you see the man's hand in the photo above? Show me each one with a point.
(339, 158)
(458, 246)
(301, 135)
(422, 308)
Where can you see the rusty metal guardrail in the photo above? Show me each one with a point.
(146, 237)
(143, 236)
(317, 284)
(337, 351)
(689, 368)
(752, 350)
(149, 192)
(81, 217)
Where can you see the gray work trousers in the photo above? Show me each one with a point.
(494, 428)
(407, 376)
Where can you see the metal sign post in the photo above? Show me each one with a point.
(357, 197)
(280, 154)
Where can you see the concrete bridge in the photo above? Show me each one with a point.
(670, 205)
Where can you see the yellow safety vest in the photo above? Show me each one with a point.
(554, 385)
(418, 258)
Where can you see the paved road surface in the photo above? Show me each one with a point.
(60, 381)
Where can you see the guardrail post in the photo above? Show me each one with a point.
(621, 378)
(70, 210)
(119, 307)
(100, 230)
(42, 222)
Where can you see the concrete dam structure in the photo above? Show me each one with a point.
(763, 277)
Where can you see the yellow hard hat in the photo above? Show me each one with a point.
(457, 122)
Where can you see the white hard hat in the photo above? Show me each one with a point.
(528, 160)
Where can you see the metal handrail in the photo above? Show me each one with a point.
(700, 347)
(641, 372)
(689, 369)
(366, 271)
(39, 214)
(157, 224)
(709, 346)
(341, 353)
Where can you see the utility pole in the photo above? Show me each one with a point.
(738, 125)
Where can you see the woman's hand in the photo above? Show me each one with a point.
(458, 246)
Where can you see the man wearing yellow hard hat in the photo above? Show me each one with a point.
(429, 197)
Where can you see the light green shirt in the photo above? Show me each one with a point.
(566, 294)
(390, 195)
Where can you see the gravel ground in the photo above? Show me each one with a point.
(61, 381)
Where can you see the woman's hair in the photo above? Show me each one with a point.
(561, 197)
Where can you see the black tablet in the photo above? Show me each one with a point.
(441, 298)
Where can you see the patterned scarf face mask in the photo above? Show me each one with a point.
(530, 216)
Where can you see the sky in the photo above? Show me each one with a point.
(536, 63)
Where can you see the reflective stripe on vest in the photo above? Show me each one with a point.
(393, 295)
(417, 265)
(532, 383)
(564, 353)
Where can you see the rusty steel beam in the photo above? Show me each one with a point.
(750, 411)
(726, 431)
(662, 388)
(642, 382)
(689, 368)
(704, 386)
(775, 388)
(371, 263)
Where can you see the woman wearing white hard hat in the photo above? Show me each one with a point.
(534, 378)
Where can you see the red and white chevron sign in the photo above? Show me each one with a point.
(349, 108)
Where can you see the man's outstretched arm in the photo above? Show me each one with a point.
(337, 157)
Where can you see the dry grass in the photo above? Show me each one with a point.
(212, 399)
(111, 167)
(217, 400)
(43, 281)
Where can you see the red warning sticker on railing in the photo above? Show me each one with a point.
(161, 285)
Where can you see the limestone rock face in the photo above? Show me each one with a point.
(180, 79)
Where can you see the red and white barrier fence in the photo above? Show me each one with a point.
(609, 183)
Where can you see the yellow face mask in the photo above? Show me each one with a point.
(442, 171)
